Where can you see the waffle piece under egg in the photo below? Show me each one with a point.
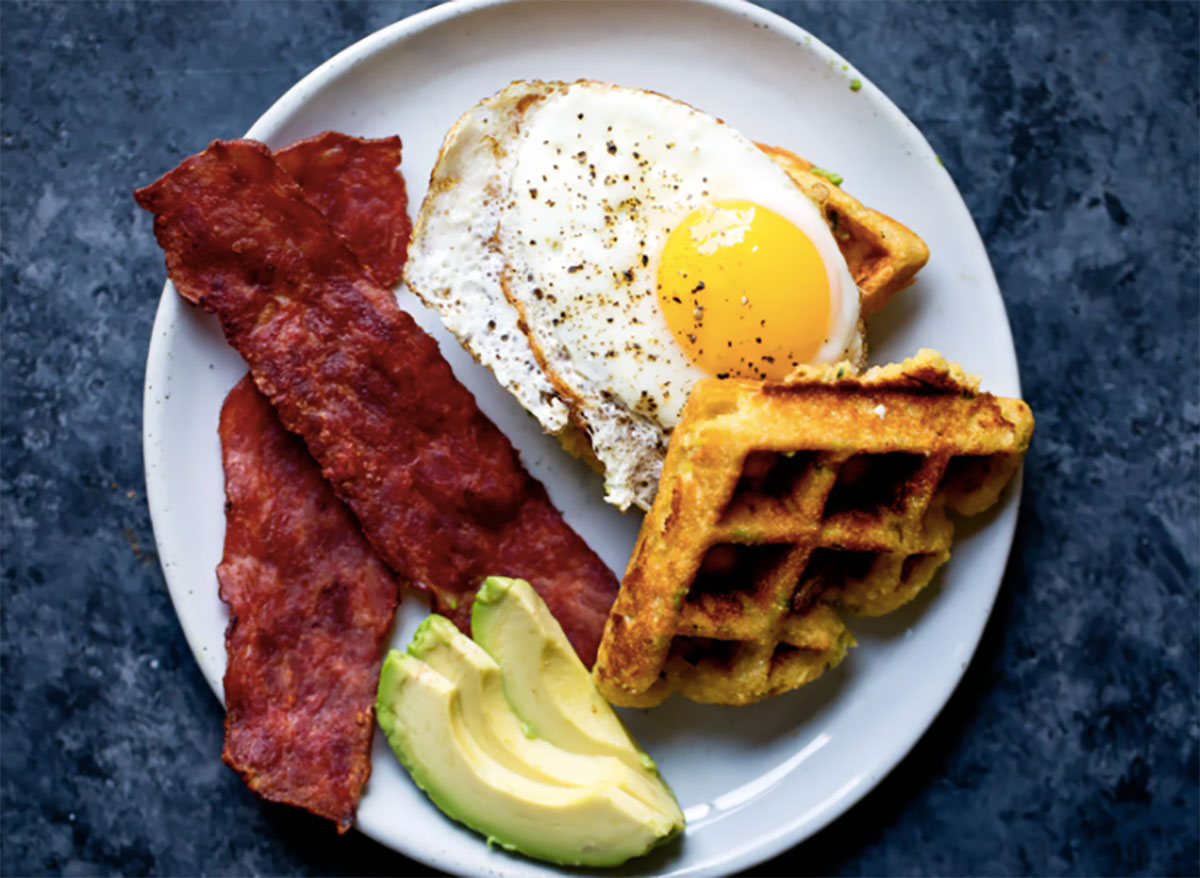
(883, 254)
(781, 503)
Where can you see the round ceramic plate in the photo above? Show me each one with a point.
(752, 780)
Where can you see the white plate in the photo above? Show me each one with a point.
(753, 780)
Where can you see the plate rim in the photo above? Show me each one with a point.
(805, 825)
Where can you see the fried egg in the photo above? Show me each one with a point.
(602, 248)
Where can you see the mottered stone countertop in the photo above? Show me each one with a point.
(1071, 745)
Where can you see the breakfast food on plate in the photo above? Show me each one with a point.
(356, 184)
(610, 254)
(781, 500)
(507, 734)
(883, 255)
(310, 606)
(310, 603)
(542, 679)
(602, 248)
(437, 489)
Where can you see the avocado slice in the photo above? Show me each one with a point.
(544, 680)
(510, 741)
(421, 712)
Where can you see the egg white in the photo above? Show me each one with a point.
(539, 244)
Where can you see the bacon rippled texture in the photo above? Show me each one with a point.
(310, 607)
(355, 185)
(436, 487)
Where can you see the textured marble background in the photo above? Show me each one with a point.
(1071, 745)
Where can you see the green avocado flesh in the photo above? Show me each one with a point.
(447, 714)
(507, 737)
(544, 680)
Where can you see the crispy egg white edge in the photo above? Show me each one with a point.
(463, 284)
(455, 267)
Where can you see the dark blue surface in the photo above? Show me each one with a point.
(1071, 745)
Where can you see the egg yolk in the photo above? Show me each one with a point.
(744, 291)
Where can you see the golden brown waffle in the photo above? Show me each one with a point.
(884, 255)
(780, 501)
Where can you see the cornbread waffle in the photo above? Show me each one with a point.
(780, 502)
(883, 255)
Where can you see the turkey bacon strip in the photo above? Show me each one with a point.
(310, 606)
(310, 602)
(437, 488)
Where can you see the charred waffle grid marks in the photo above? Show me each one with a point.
(739, 578)
(826, 569)
(966, 473)
(750, 554)
(732, 567)
(872, 485)
(872, 482)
